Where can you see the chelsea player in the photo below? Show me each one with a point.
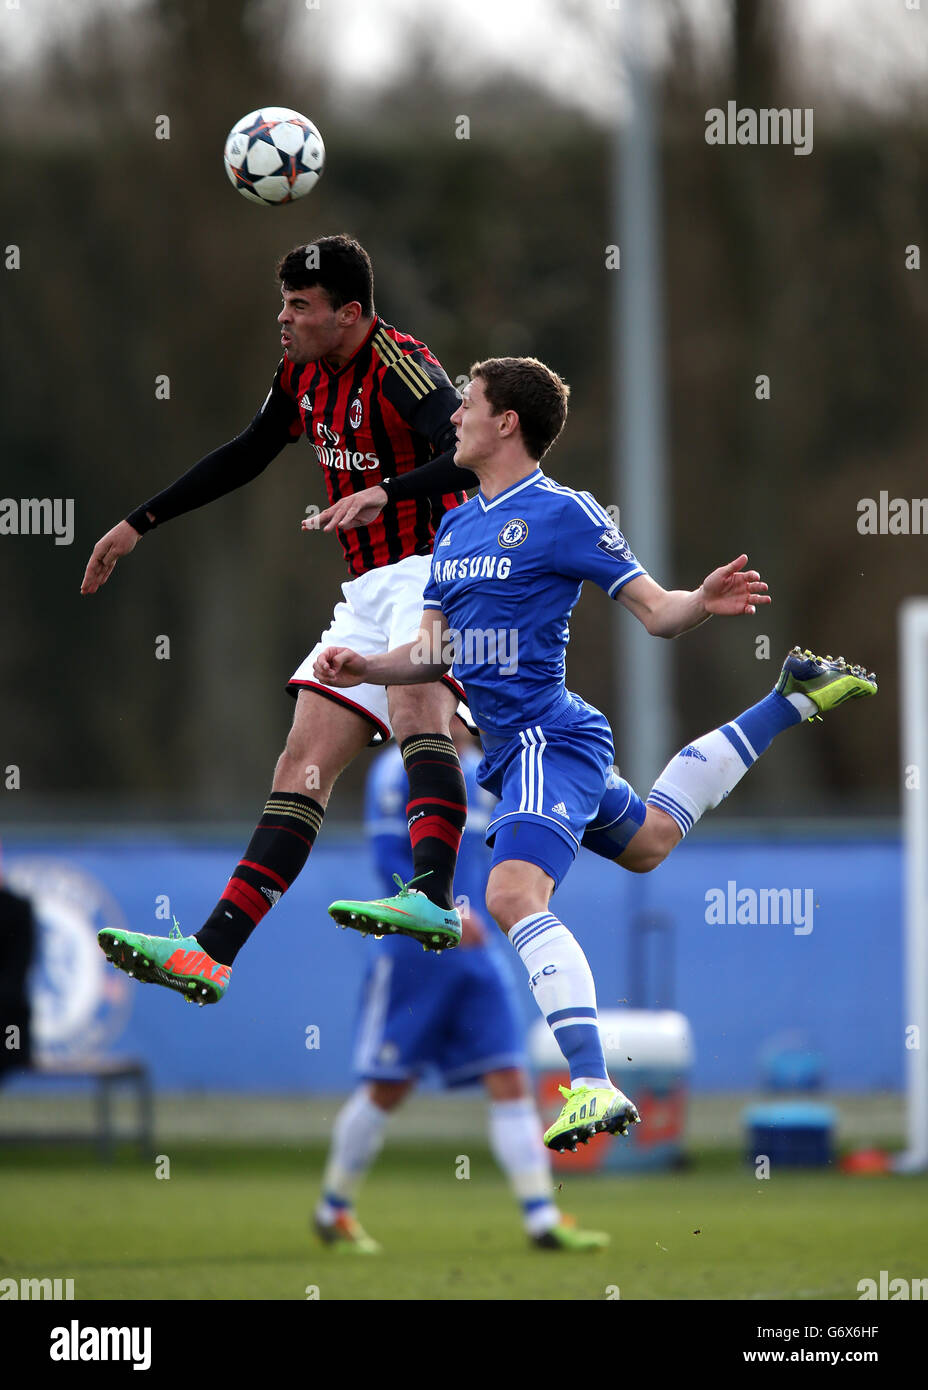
(507, 570)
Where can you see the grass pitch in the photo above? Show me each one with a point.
(232, 1223)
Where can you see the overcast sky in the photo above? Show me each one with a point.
(874, 51)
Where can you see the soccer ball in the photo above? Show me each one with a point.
(274, 155)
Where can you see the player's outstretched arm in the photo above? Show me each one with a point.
(118, 542)
(230, 466)
(426, 658)
(729, 591)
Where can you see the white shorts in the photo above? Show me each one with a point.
(380, 610)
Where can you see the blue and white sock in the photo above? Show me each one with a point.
(357, 1138)
(705, 771)
(562, 983)
(517, 1145)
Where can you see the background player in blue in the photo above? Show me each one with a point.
(507, 570)
(455, 1014)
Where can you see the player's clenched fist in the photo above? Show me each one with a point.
(110, 548)
(340, 666)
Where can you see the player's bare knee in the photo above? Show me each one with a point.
(508, 1083)
(506, 912)
(387, 1095)
(666, 833)
(650, 847)
(641, 860)
(323, 740)
(306, 768)
(508, 904)
(420, 709)
(414, 727)
(502, 902)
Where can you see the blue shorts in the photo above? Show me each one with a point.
(550, 779)
(454, 1012)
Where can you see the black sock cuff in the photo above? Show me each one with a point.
(297, 806)
(298, 798)
(418, 744)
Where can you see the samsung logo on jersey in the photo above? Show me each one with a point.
(473, 567)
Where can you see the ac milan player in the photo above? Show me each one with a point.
(376, 404)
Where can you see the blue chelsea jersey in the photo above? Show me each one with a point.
(507, 574)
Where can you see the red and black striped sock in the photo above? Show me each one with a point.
(275, 855)
(436, 811)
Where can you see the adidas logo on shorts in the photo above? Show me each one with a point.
(560, 809)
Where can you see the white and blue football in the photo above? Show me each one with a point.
(274, 155)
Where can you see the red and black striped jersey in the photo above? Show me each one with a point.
(384, 412)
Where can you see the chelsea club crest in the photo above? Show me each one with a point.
(79, 1006)
(513, 533)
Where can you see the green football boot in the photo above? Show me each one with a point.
(176, 961)
(566, 1236)
(408, 913)
(346, 1234)
(588, 1111)
(827, 681)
